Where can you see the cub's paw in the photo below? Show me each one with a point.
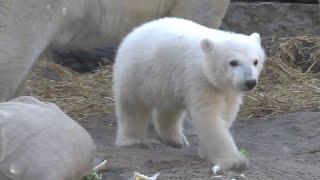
(128, 142)
(236, 164)
(176, 141)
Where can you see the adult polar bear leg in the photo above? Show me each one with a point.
(169, 126)
(121, 16)
(28, 28)
(205, 12)
(216, 142)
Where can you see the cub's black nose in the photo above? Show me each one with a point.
(250, 84)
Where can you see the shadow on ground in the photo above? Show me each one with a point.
(285, 147)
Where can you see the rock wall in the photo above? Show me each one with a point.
(273, 19)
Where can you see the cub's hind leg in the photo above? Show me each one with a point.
(169, 126)
(131, 123)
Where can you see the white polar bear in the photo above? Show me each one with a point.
(171, 65)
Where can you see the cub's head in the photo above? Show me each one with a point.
(234, 61)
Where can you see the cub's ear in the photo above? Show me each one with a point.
(256, 36)
(206, 45)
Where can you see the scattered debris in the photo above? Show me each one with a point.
(95, 173)
(216, 169)
(138, 176)
(100, 166)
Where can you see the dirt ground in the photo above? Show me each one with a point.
(284, 147)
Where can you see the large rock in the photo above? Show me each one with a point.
(273, 19)
(38, 141)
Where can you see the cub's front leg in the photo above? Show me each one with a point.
(216, 142)
(232, 104)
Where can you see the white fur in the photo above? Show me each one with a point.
(170, 65)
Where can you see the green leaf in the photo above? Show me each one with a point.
(93, 175)
(244, 152)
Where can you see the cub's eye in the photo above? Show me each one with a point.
(234, 63)
(255, 62)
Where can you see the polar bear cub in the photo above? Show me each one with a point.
(169, 66)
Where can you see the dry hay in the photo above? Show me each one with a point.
(290, 82)
(79, 95)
